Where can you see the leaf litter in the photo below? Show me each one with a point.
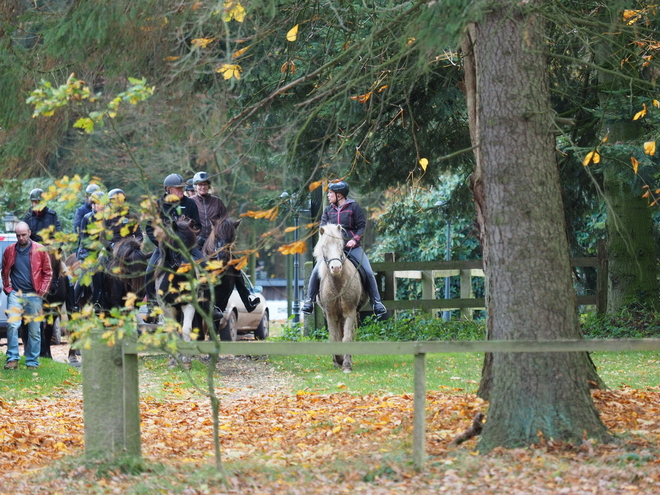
(339, 441)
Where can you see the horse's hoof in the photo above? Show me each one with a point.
(347, 370)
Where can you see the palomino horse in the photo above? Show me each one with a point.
(341, 294)
(173, 282)
(219, 247)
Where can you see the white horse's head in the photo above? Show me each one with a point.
(330, 248)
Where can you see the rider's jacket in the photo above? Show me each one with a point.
(42, 273)
(211, 208)
(39, 220)
(350, 216)
(172, 211)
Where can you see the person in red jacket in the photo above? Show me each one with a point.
(26, 277)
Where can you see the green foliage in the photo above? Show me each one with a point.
(628, 323)
(419, 327)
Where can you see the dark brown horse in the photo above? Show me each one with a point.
(218, 247)
(56, 302)
(125, 273)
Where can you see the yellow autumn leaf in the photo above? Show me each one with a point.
(635, 164)
(315, 185)
(292, 35)
(233, 10)
(202, 42)
(298, 247)
(230, 70)
(361, 98)
(592, 157)
(240, 52)
(656, 103)
(424, 163)
(185, 268)
(604, 140)
(240, 263)
(646, 194)
(267, 214)
(130, 300)
(649, 148)
(290, 229)
(641, 113)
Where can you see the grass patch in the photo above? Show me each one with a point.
(633, 369)
(49, 380)
(382, 374)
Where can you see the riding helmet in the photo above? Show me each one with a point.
(97, 197)
(35, 194)
(189, 185)
(174, 180)
(91, 188)
(117, 194)
(339, 187)
(201, 177)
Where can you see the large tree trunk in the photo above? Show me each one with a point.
(530, 291)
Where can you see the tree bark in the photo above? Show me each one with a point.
(530, 291)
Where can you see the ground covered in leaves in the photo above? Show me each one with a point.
(283, 441)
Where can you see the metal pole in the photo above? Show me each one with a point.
(296, 274)
(446, 315)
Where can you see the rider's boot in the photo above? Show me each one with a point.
(377, 305)
(312, 291)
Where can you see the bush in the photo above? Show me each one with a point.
(417, 327)
(631, 322)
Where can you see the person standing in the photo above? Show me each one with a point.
(26, 277)
(211, 208)
(40, 217)
(347, 213)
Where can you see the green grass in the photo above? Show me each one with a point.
(634, 369)
(49, 380)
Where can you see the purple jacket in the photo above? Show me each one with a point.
(350, 216)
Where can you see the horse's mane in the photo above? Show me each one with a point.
(184, 230)
(223, 235)
(128, 251)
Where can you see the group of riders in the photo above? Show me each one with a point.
(99, 232)
(104, 219)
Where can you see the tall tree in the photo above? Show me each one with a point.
(530, 294)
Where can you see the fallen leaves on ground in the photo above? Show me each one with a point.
(310, 432)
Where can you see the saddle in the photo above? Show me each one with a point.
(360, 269)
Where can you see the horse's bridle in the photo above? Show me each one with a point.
(341, 259)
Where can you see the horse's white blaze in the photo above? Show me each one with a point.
(335, 266)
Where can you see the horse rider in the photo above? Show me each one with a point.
(211, 208)
(85, 208)
(347, 213)
(90, 239)
(120, 222)
(171, 207)
(40, 216)
(189, 190)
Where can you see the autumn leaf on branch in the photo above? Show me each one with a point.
(267, 214)
(635, 164)
(298, 247)
(592, 157)
(649, 148)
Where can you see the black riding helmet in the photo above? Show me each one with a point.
(174, 180)
(189, 185)
(35, 194)
(339, 187)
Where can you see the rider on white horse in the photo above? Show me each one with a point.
(347, 213)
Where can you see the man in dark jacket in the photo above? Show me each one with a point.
(26, 277)
(41, 217)
(211, 208)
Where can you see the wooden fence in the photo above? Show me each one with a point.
(112, 414)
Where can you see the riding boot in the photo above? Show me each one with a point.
(312, 291)
(377, 305)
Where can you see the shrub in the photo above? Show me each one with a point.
(630, 322)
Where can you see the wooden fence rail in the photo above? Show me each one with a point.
(106, 433)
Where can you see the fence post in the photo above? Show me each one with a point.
(132, 405)
(428, 288)
(103, 400)
(466, 293)
(389, 294)
(419, 412)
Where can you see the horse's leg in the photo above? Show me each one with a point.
(333, 333)
(188, 313)
(46, 336)
(349, 332)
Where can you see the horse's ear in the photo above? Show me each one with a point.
(237, 223)
(321, 230)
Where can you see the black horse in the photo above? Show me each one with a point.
(55, 301)
(218, 247)
(124, 273)
(173, 276)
